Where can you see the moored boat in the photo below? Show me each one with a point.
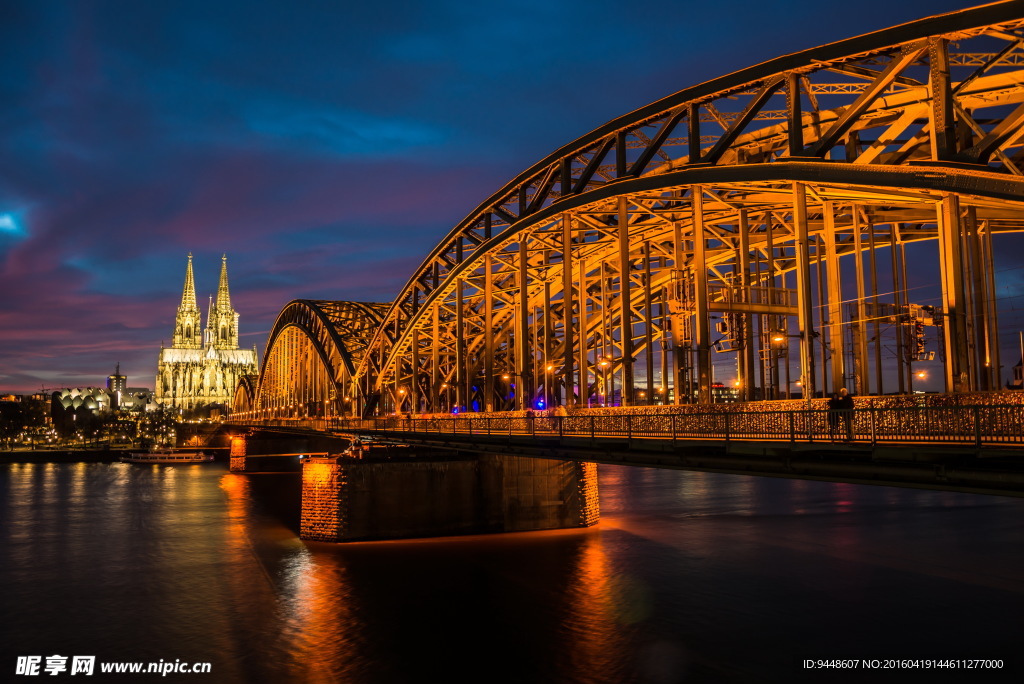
(166, 456)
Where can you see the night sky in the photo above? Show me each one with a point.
(325, 147)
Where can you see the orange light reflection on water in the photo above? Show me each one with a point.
(315, 605)
(599, 603)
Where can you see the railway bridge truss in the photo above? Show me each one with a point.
(825, 219)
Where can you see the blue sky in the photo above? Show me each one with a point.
(324, 146)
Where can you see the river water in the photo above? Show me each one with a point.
(689, 577)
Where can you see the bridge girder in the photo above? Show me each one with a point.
(312, 353)
(746, 197)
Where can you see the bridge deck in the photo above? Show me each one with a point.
(974, 448)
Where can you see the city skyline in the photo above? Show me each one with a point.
(293, 142)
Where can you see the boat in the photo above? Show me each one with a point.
(166, 456)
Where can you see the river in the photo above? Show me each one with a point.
(689, 577)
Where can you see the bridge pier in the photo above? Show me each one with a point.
(239, 447)
(346, 499)
(263, 453)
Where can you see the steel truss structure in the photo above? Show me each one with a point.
(312, 355)
(768, 213)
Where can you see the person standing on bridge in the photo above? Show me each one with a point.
(845, 406)
(833, 416)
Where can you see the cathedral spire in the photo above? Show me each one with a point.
(187, 332)
(188, 296)
(223, 320)
(202, 367)
(223, 296)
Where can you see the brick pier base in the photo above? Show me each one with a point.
(237, 454)
(348, 499)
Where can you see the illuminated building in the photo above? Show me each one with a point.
(203, 367)
(117, 382)
(116, 385)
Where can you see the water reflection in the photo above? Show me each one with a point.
(689, 577)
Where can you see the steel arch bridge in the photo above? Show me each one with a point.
(312, 355)
(781, 211)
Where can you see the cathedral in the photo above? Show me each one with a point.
(203, 366)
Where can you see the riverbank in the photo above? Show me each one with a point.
(79, 455)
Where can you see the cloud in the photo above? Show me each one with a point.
(325, 147)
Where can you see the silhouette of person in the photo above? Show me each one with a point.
(845, 410)
(833, 415)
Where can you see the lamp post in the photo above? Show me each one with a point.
(549, 380)
(604, 365)
(920, 375)
(509, 402)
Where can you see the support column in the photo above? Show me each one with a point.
(859, 329)
(414, 383)
(648, 324)
(488, 335)
(991, 318)
(899, 295)
(625, 313)
(747, 348)
(794, 115)
(435, 363)
(567, 327)
(835, 300)
(954, 294)
(978, 329)
(581, 337)
(805, 311)
(703, 323)
(943, 124)
(679, 382)
(523, 366)
(462, 380)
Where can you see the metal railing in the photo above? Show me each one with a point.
(961, 425)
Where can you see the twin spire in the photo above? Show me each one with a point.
(221, 320)
(188, 297)
(223, 296)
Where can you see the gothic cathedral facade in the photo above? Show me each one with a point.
(203, 367)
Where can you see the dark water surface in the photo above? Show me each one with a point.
(689, 577)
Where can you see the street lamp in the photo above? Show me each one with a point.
(447, 404)
(605, 365)
(547, 386)
(514, 393)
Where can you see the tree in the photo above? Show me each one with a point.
(10, 422)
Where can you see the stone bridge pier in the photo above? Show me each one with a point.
(277, 452)
(350, 499)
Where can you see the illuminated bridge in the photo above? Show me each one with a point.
(826, 219)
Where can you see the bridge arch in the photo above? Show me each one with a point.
(765, 214)
(245, 394)
(779, 215)
(310, 358)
